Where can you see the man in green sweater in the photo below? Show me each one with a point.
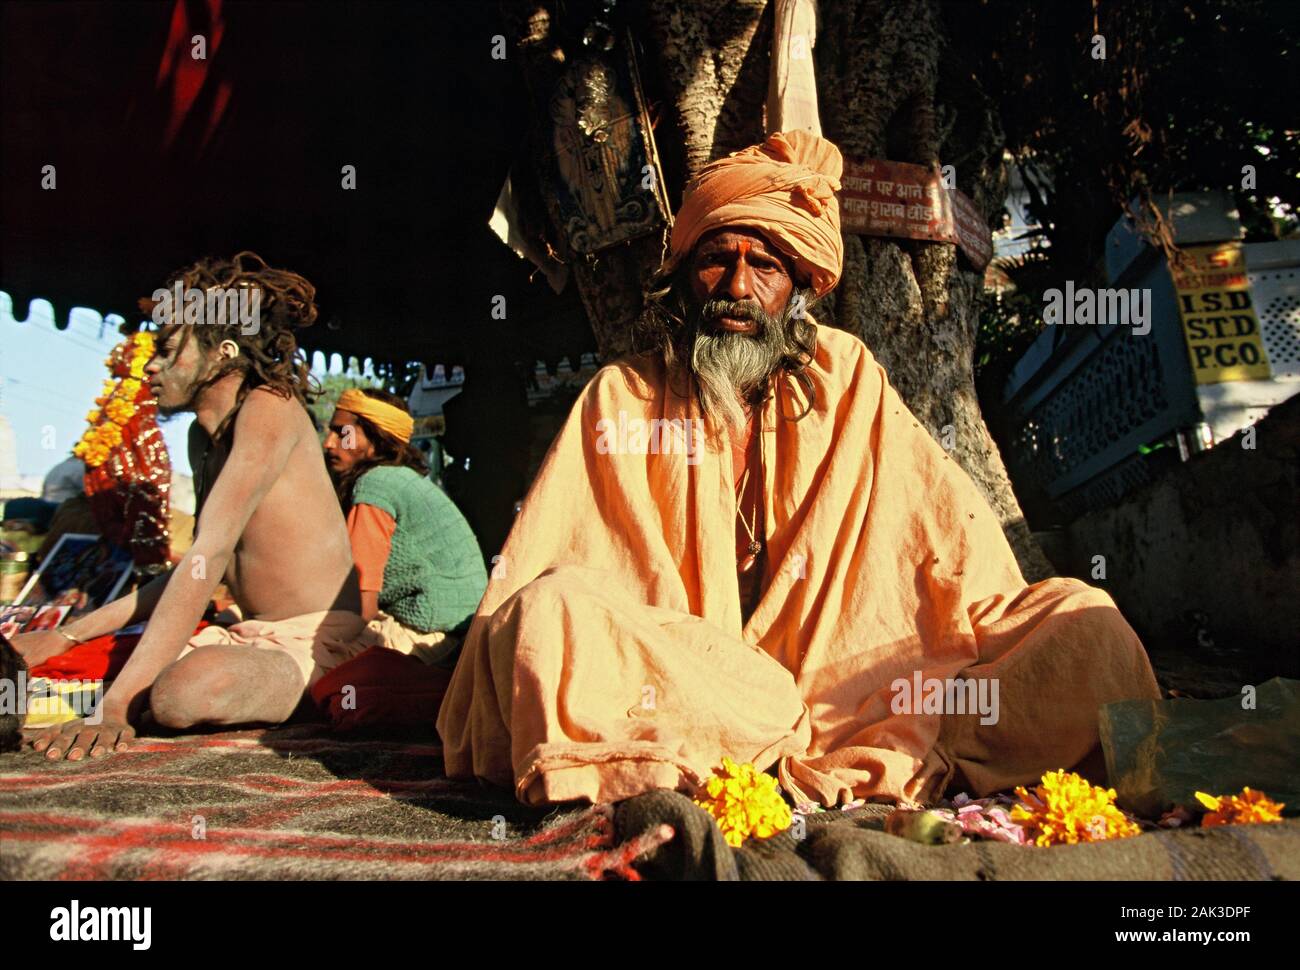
(420, 569)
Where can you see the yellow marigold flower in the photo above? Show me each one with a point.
(744, 802)
(109, 434)
(1247, 808)
(115, 406)
(1065, 809)
(119, 410)
(91, 452)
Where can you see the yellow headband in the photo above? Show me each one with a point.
(384, 416)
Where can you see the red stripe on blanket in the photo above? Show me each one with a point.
(175, 844)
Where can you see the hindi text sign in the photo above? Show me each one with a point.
(898, 199)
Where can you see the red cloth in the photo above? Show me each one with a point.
(389, 689)
(99, 659)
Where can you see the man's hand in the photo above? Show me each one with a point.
(36, 648)
(76, 739)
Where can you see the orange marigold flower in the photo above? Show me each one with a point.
(109, 435)
(116, 405)
(89, 450)
(744, 801)
(1247, 808)
(1066, 809)
(119, 410)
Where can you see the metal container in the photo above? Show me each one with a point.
(14, 568)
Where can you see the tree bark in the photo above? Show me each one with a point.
(887, 89)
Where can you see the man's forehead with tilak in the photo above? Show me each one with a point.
(781, 195)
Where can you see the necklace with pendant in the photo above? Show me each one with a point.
(746, 562)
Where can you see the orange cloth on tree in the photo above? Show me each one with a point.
(370, 531)
(608, 657)
(785, 188)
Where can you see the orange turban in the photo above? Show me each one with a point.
(385, 416)
(785, 188)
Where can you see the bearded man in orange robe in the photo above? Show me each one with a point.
(742, 544)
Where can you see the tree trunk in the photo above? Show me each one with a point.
(887, 89)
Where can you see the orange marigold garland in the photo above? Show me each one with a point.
(123, 395)
(128, 471)
(1065, 809)
(744, 801)
(1248, 808)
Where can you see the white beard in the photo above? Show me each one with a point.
(729, 367)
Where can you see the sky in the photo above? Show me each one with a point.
(49, 379)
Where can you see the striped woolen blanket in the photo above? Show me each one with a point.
(299, 803)
(287, 803)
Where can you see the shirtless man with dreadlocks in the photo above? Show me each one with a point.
(268, 522)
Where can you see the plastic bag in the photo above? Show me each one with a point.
(1159, 753)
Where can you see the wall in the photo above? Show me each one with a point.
(1207, 559)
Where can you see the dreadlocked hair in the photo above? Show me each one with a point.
(662, 328)
(269, 356)
(389, 450)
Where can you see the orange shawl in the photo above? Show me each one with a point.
(618, 583)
